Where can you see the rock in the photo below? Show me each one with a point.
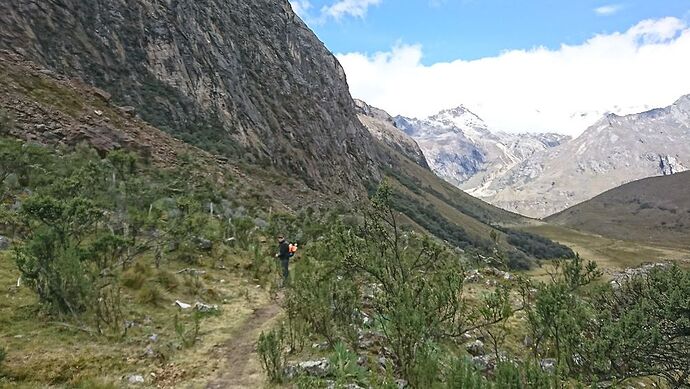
(548, 365)
(483, 363)
(316, 368)
(527, 341)
(621, 277)
(402, 384)
(105, 96)
(129, 111)
(204, 244)
(383, 362)
(4, 242)
(475, 348)
(261, 223)
(135, 379)
(370, 339)
(473, 277)
(205, 308)
(182, 305)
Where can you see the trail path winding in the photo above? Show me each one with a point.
(243, 369)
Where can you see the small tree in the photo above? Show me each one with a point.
(641, 329)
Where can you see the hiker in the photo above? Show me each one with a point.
(284, 256)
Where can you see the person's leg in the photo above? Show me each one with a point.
(286, 272)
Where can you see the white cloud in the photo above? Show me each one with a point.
(563, 90)
(356, 8)
(607, 10)
(301, 7)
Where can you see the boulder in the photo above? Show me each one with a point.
(316, 368)
(205, 308)
(475, 348)
(203, 244)
(4, 242)
(548, 365)
(483, 363)
(473, 277)
(129, 111)
(103, 95)
(135, 379)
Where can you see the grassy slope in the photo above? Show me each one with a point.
(473, 215)
(42, 351)
(610, 254)
(654, 210)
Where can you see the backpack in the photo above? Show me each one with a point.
(292, 249)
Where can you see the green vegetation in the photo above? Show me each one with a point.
(105, 248)
(102, 247)
(375, 292)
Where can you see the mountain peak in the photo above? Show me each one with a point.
(683, 103)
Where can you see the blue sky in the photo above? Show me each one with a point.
(522, 65)
(471, 29)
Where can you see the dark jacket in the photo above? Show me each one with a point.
(284, 250)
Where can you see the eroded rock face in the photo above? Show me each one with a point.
(383, 127)
(240, 78)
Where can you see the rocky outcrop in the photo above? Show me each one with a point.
(383, 127)
(243, 79)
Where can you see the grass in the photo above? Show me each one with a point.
(610, 254)
(44, 350)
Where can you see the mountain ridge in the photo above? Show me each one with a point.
(462, 149)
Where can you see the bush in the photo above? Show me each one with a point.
(188, 336)
(133, 279)
(151, 294)
(538, 246)
(344, 366)
(3, 355)
(168, 280)
(270, 350)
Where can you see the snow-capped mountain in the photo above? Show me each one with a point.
(461, 149)
(613, 151)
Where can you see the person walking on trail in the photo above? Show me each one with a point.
(284, 256)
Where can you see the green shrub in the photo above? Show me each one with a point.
(463, 375)
(188, 335)
(151, 294)
(133, 279)
(344, 367)
(270, 350)
(537, 246)
(3, 356)
(168, 280)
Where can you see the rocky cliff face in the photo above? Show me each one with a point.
(614, 151)
(383, 127)
(244, 79)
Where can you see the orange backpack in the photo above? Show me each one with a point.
(292, 249)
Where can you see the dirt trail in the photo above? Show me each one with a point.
(242, 367)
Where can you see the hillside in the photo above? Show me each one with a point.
(653, 210)
(247, 80)
(283, 110)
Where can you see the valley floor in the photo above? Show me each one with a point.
(611, 255)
